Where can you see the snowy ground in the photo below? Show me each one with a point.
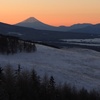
(95, 40)
(89, 42)
(79, 67)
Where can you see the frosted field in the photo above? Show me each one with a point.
(95, 40)
(79, 67)
(88, 42)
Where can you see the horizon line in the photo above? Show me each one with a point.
(51, 24)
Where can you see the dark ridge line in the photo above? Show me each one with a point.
(58, 45)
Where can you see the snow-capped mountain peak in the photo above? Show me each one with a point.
(31, 20)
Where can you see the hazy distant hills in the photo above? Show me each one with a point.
(34, 23)
(92, 29)
(40, 35)
(79, 28)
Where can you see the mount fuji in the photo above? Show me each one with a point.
(35, 23)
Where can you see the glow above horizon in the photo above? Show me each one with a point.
(53, 12)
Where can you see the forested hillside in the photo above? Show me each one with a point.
(24, 85)
(11, 45)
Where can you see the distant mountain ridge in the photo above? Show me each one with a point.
(41, 35)
(35, 23)
(93, 29)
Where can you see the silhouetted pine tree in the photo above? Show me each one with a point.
(51, 89)
(83, 93)
(26, 85)
(44, 88)
(9, 82)
(1, 73)
(94, 95)
(35, 85)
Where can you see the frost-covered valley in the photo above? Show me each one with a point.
(78, 67)
(88, 42)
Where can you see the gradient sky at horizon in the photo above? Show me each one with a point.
(53, 12)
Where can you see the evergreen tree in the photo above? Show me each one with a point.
(52, 83)
(9, 82)
(11, 45)
(35, 82)
(52, 93)
(1, 73)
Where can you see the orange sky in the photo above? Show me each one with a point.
(53, 12)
